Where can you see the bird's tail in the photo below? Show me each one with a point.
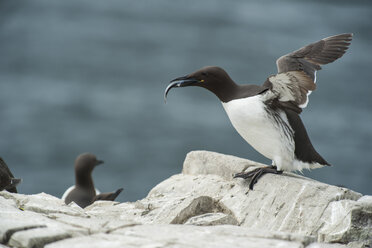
(108, 196)
(117, 192)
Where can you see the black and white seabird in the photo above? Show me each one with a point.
(7, 180)
(267, 116)
(83, 193)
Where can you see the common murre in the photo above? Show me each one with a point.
(83, 193)
(267, 116)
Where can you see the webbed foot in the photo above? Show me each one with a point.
(257, 173)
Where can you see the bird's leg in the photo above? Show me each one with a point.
(246, 175)
(257, 173)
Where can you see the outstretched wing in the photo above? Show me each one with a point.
(297, 70)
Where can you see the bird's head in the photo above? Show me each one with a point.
(85, 163)
(213, 78)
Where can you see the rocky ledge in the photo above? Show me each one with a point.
(201, 207)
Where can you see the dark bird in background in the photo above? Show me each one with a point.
(83, 193)
(267, 116)
(7, 180)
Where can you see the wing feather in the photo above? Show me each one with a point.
(310, 57)
(297, 70)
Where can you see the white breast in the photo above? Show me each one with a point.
(261, 131)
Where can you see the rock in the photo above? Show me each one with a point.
(270, 207)
(325, 245)
(37, 237)
(180, 236)
(10, 226)
(213, 163)
(346, 221)
(212, 219)
(267, 207)
(328, 245)
(25, 225)
(182, 196)
(202, 207)
(43, 203)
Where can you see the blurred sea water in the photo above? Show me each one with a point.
(79, 75)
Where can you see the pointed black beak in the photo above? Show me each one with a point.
(99, 162)
(179, 82)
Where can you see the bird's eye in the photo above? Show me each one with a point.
(204, 73)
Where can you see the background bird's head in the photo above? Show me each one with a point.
(85, 163)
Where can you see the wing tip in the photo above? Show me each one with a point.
(347, 37)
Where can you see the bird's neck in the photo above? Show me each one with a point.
(232, 91)
(84, 180)
(225, 91)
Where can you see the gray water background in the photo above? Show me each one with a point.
(82, 75)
